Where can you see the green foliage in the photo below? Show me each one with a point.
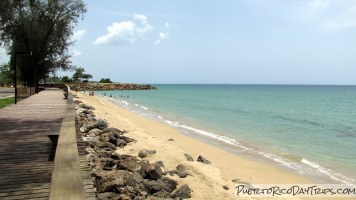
(42, 27)
(6, 101)
(66, 79)
(6, 75)
(80, 75)
(105, 80)
(53, 79)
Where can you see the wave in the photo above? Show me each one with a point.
(208, 134)
(125, 102)
(294, 162)
(143, 107)
(297, 163)
(330, 173)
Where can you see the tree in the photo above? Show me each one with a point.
(80, 75)
(66, 79)
(5, 74)
(43, 27)
(105, 80)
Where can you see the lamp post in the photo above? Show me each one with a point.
(15, 81)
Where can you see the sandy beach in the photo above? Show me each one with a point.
(208, 179)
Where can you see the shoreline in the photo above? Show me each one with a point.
(303, 165)
(225, 165)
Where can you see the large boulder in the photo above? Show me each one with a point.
(164, 183)
(112, 130)
(95, 131)
(105, 145)
(101, 124)
(85, 128)
(108, 196)
(154, 173)
(112, 181)
(183, 192)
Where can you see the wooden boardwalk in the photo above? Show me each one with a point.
(26, 153)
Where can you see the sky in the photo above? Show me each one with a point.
(218, 41)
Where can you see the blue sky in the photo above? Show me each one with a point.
(220, 41)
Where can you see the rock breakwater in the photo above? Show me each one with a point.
(121, 176)
(110, 86)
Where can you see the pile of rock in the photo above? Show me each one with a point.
(109, 86)
(120, 176)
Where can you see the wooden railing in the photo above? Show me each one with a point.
(66, 180)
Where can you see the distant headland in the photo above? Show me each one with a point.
(110, 86)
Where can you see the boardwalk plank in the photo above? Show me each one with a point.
(24, 147)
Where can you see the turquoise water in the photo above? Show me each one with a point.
(310, 129)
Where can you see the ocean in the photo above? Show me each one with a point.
(308, 129)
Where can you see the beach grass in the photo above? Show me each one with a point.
(6, 101)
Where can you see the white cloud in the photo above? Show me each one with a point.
(145, 26)
(78, 34)
(161, 37)
(76, 53)
(125, 32)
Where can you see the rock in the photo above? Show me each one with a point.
(112, 130)
(163, 183)
(85, 128)
(203, 160)
(128, 163)
(162, 194)
(108, 196)
(127, 139)
(171, 140)
(90, 107)
(111, 181)
(182, 174)
(95, 131)
(128, 192)
(92, 158)
(80, 111)
(236, 180)
(105, 145)
(226, 187)
(121, 143)
(181, 167)
(101, 124)
(115, 156)
(188, 157)
(179, 173)
(108, 163)
(142, 168)
(183, 192)
(108, 137)
(145, 152)
(159, 163)
(89, 150)
(154, 173)
(102, 153)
